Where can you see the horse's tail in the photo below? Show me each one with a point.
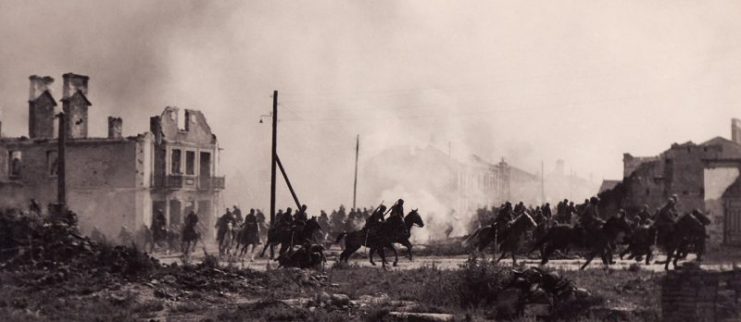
(467, 241)
(339, 237)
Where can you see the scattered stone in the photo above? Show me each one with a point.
(420, 317)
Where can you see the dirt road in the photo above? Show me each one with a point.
(451, 262)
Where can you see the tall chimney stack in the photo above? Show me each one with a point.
(40, 108)
(736, 130)
(75, 105)
(115, 127)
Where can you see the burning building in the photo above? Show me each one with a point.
(111, 181)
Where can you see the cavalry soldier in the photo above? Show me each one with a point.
(590, 219)
(546, 210)
(237, 213)
(505, 215)
(158, 225)
(376, 218)
(189, 229)
(666, 218)
(253, 227)
(222, 224)
(397, 215)
(323, 221)
(286, 219)
(644, 216)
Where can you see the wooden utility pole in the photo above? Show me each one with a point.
(542, 181)
(288, 182)
(61, 175)
(273, 156)
(355, 182)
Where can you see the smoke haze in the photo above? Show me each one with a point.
(582, 81)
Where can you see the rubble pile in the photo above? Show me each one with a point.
(31, 241)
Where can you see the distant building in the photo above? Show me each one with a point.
(699, 174)
(465, 185)
(112, 181)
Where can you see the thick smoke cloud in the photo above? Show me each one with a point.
(527, 81)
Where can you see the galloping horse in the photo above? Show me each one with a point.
(190, 238)
(249, 235)
(227, 234)
(508, 237)
(510, 240)
(411, 219)
(287, 237)
(378, 238)
(688, 235)
(603, 242)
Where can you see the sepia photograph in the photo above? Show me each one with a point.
(396, 161)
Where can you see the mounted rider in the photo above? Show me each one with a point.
(375, 219)
(237, 213)
(666, 218)
(222, 225)
(252, 228)
(299, 219)
(504, 217)
(396, 216)
(590, 219)
(158, 225)
(189, 229)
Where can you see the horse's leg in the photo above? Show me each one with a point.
(514, 260)
(549, 249)
(590, 257)
(396, 255)
(264, 248)
(668, 258)
(370, 256)
(409, 246)
(503, 252)
(383, 258)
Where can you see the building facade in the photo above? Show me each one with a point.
(111, 181)
(700, 175)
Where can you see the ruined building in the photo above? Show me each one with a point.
(115, 180)
(703, 176)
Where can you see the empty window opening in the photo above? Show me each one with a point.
(190, 162)
(175, 161)
(15, 163)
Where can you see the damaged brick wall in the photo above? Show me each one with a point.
(696, 295)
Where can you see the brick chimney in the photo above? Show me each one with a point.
(41, 108)
(75, 105)
(736, 130)
(115, 127)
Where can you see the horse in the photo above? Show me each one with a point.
(603, 242)
(640, 242)
(688, 235)
(289, 236)
(387, 233)
(411, 219)
(510, 240)
(248, 236)
(189, 239)
(227, 237)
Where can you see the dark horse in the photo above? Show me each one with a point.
(603, 243)
(287, 237)
(688, 234)
(379, 238)
(560, 237)
(508, 237)
(411, 219)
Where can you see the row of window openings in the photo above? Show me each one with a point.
(190, 162)
(16, 161)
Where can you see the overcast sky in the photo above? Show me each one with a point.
(583, 81)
